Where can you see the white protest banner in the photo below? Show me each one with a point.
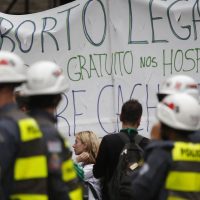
(110, 51)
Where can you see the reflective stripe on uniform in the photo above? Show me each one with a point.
(29, 129)
(176, 198)
(30, 167)
(76, 194)
(186, 152)
(68, 171)
(29, 197)
(183, 181)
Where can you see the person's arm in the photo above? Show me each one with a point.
(8, 146)
(57, 188)
(102, 160)
(83, 157)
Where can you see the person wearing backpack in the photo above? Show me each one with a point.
(112, 145)
(171, 166)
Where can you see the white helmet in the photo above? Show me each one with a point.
(12, 69)
(44, 78)
(179, 111)
(179, 83)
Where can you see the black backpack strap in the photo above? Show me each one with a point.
(94, 193)
(138, 138)
(126, 139)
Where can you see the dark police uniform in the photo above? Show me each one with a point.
(23, 163)
(62, 175)
(171, 172)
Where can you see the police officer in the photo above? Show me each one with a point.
(175, 84)
(23, 166)
(178, 84)
(45, 83)
(171, 167)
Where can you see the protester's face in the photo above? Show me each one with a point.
(78, 146)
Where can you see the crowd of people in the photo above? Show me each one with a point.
(36, 162)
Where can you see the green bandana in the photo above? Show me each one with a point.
(130, 131)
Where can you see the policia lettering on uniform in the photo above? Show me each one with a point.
(190, 153)
(183, 178)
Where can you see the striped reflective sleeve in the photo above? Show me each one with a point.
(183, 181)
(30, 167)
(28, 197)
(76, 194)
(68, 171)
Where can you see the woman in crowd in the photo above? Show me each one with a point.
(86, 148)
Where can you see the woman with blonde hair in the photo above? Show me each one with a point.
(86, 148)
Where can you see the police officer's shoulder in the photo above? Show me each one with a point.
(195, 137)
(161, 150)
(159, 144)
(9, 128)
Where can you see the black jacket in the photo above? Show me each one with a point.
(9, 144)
